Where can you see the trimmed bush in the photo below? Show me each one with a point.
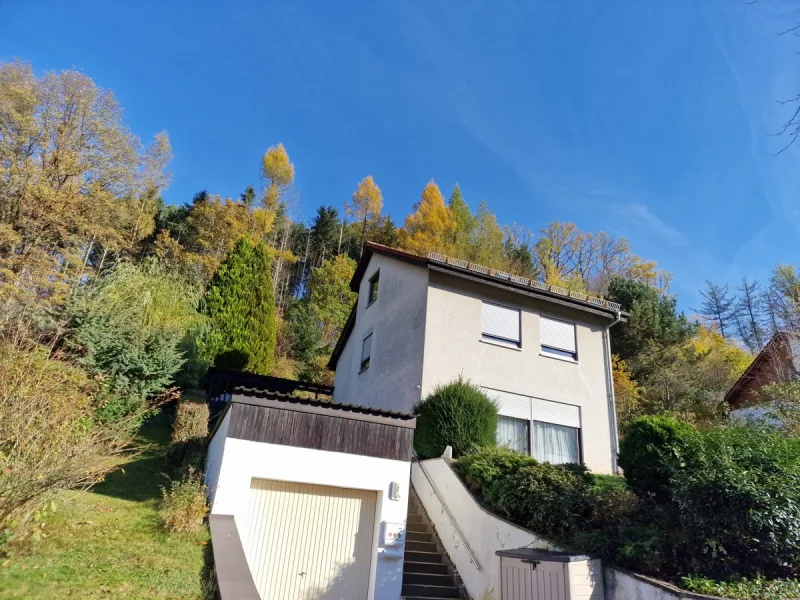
(549, 499)
(650, 449)
(481, 468)
(189, 433)
(183, 505)
(191, 421)
(457, 414)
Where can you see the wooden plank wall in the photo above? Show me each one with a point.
(320, 432)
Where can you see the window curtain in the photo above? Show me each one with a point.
(555, 444)
(513, 433)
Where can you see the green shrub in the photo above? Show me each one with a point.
(738, 501)
(240, 304)
(457, 414)
(757, 588)
(650, 448)
(549, 499)
(183, 505)
(481, 468)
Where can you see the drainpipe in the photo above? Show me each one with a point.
(612, 406)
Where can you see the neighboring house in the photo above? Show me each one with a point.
(541, 351)
(778, 361)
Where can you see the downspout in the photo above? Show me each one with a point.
(612, 405)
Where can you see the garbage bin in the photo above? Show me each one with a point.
(529, 574)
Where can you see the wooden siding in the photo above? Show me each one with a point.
(320, 432)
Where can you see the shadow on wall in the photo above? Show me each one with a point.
(340, 587)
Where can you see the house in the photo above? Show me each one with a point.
(541, 351)
(308, 497)
(778, 361)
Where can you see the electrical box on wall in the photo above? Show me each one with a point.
(394, 534)
(394, 491)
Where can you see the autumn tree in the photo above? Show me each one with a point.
(365, 204)
(240, 306)
(431, 226)
(464, 223)
(75, 183)
(718, 307)
(278, 173)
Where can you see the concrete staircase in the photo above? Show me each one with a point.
(427, 572)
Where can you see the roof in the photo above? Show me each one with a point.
(475, 272)
(770, 350)
(295, 402)
(224, 380)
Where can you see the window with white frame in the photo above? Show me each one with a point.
(500, 324)
(366, 351)
(557, 338)
(548, 431)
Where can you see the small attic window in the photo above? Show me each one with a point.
(373, 288)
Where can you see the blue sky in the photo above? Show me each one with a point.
(649, 120)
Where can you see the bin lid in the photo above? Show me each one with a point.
(543, 555)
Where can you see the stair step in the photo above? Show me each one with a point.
(417, 527)
(413, 567)
(412, 518)
(421, 546)
(423, 557)
(419, 536)
(430, 591)
(440, 579)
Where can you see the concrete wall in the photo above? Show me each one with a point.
(484, 532)
(214, 457)
(622, 585)
(397, 323)
(243, 460)
(453, 346)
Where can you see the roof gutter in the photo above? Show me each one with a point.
(612, 405)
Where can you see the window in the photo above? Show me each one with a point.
(556, 444)
(373, 288)
(548, 431)
(514, 433)
(500, 324)
(366, 350)
(557, 338)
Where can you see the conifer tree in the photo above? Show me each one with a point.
(241, 308)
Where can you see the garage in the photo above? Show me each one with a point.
(310, 541)
(309, 498)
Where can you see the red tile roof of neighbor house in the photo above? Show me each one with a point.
(476, 272)
(779, 347)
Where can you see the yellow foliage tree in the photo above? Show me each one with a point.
(431, 227)
(627, 393)
(278, 171)
(366, 204)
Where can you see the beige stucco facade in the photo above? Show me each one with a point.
(397, 323)
(427, 331)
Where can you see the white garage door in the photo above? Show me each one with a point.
(309, 542)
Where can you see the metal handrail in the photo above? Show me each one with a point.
(448, 513)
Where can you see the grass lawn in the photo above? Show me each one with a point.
(107, 543)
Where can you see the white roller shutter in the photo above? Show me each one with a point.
(310, 541)
(500, 321)
(556, 413)
(557, 334)
(510, 405)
